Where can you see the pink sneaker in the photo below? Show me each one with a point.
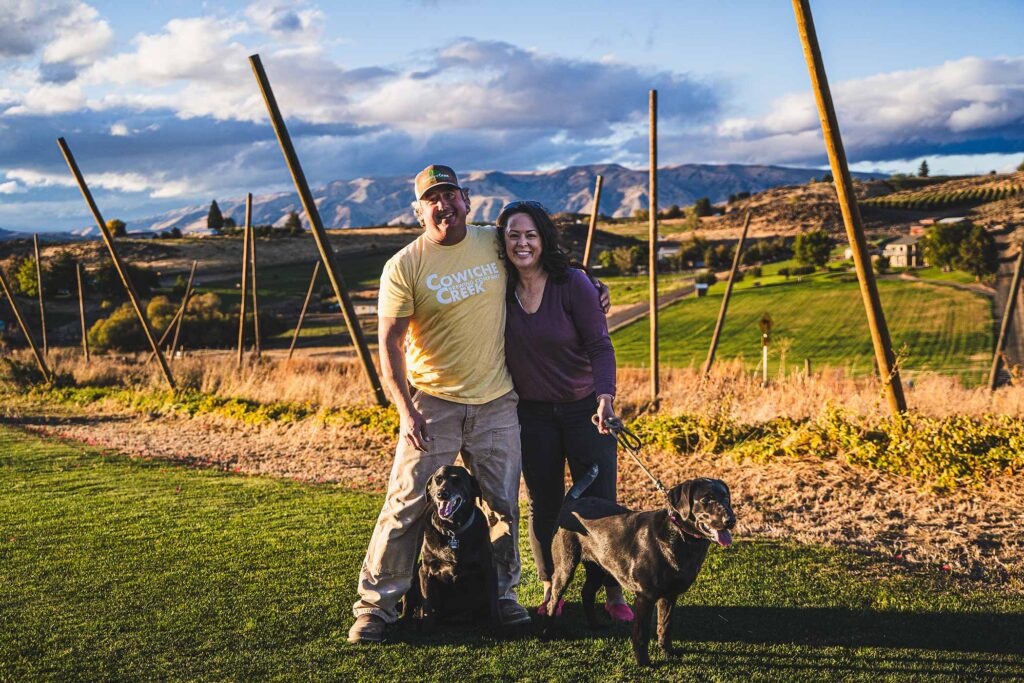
(619, 611)
(543, 609)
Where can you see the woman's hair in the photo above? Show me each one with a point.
(554, 258)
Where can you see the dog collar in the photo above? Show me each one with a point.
(678, 521)
(453, 542)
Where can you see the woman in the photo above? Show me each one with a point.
(563, 366)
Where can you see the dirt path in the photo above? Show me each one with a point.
(972, 534)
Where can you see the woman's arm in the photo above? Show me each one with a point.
(592, 327)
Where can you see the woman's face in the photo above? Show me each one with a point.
(522, 242)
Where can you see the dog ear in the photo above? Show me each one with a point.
(679, 497)
(474, 488)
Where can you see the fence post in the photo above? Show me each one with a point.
(319, 234)
(652, 268)
(24, 328)
(118, 265)
(245, 281)
(252, 269)
(305, 305)
(884, 357)
(39, 291)
(593, 221)
(1004, 326)
(183, 309)
(725, 298)
(81, 311)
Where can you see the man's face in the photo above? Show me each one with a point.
(444, 210)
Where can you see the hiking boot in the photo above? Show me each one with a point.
(512, 613)
(369, 628)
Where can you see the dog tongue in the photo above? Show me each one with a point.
(723, 538)
(446, 508)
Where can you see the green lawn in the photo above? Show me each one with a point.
(822, 318)
(122, 569)
(934, 273)
(632, 289)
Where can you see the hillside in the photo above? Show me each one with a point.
(386, 201)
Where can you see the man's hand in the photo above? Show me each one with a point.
(413, 429)
(603, 295)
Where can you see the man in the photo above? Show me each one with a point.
(443, 296)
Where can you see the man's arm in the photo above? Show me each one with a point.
(390, 338)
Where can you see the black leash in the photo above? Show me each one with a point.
(632, 443)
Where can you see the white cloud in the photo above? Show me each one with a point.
(11, 187)
(81, 36)
(157, 186)
(119, 130)
(892, 115)
(287, 21)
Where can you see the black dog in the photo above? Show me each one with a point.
(457, 577)
(657, 554)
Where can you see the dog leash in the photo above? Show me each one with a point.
(632, 443)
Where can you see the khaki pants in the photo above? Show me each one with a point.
(487, 436)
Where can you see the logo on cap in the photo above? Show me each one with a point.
(435, 175)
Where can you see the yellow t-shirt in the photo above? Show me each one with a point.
(455, 348)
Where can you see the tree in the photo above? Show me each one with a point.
(882, 265)
(812, 248)
(922, 170)
(117, 227)
(702, 207)
(977, 253)
(25, 277)
(626, 259)
(293, 224)
(941, 244)
(673, 212)
(641, 214)
(215, 219)
(1021, 167)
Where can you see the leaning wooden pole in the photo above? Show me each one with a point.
(183, 309)
(593, 221)
(884, 356)
(652, 267)
(252, 270)
(81, 311)
(305, 305)
(725, 298)
(166, 333)
(24, 328)
(245, 289)
(319, 234)
(39, 290)
(1004, 327)
(118, 265)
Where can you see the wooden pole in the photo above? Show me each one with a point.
(1004, 327)
(652, 268)
(81, 311)
(24, 328)
(166, 333)
(884, 356)
(593, 221)
(39, 290)
(245, 284)
(305, 305)
(118, 265)
(183, 309)
(725, 298)
(319, 234)
(252, 269)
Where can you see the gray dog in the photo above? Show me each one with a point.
(656, 554)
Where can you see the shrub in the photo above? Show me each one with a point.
(706, 278)
(755, 271)
(812, 248)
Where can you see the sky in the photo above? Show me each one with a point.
(159, 105)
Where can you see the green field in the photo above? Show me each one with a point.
(631, 289)
(822, 318)
(126, 569)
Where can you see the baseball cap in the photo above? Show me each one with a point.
(433, 176)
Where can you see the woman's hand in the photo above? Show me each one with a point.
(604, 413)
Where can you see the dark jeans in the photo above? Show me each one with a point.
(551, 434)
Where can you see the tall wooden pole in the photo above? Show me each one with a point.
(24, 328)
(884, 356)
(652, 268)
(319, 234)
(725, 298)
(81, 311)
(183, 309)
(305, 305)
(245, 285)
(39, 291)
(252, 269)
(593, 221)
(1004, 327)
(118, 265)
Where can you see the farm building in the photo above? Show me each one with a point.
(904, 252)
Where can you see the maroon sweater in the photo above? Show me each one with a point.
(562, 352)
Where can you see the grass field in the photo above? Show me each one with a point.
(822, 318)
(627, 289)
(127, 569)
